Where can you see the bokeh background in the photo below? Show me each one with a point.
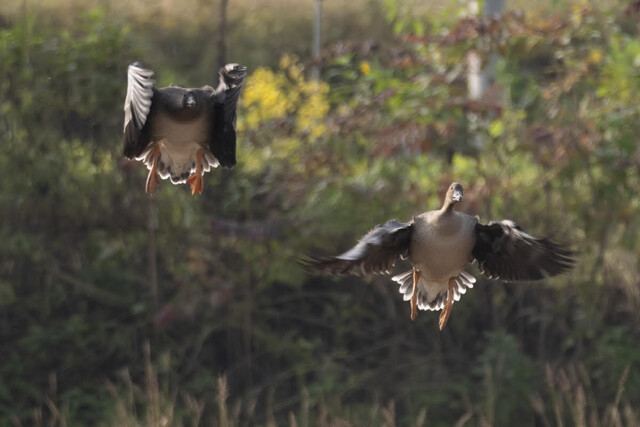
(117, 308)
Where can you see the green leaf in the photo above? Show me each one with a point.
(496, 128)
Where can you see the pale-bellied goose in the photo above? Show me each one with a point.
(440, 244)
(181, 133)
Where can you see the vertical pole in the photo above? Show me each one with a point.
(475, 83)
(478, 79)
(315, 73)
(491, 7)
(222, 28)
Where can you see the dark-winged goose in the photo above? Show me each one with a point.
(180, 133)
(440, 244)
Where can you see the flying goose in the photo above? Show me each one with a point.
(180, 133)
(440, 244)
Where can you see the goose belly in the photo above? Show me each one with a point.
(443, 257)
(179, 143)
(178, 163)
(179, 133)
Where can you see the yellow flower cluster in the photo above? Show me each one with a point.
(263, 98)
(313, 108)
(270, 95)
(365, 68)
(595, 56)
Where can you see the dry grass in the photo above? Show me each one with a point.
(569, 400)
(153, 404)
(53, 413)
(573, 401)
(156, 404)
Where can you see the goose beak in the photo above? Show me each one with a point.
(190, 102)
(457, 196)
(235, 67)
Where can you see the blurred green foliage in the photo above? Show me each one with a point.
(91, 268)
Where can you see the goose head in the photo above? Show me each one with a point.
(453, 196)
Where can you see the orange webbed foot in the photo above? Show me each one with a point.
(414, 295)
(152, 178)
(446, 311)
(196, 181)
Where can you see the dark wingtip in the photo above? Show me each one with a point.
(305, 263)
(326, 265)
(137, 64)
(131, 135)
(562, 257)
(313, 265)
(549, 258)
(235, 74)
(227, 164)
